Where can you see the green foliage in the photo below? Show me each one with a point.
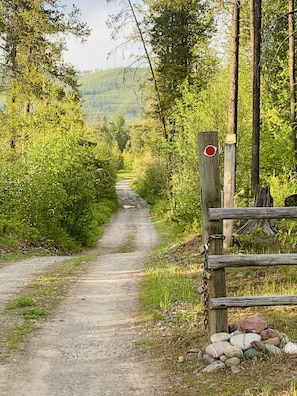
(287, 235)
(119, 131)
(15, 336)
(33, 313)
(21, 302)
(175, 31)
(53, 187)
(150, 180)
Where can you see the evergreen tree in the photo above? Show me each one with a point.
(177, 29)
(32, 50)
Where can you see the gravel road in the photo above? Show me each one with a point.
(88, 348)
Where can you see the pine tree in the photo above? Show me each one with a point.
(33, 68)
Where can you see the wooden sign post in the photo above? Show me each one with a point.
(229, 185)
(212, 231)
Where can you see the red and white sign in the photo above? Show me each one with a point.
(210, 150)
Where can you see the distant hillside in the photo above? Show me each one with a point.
(113, 91)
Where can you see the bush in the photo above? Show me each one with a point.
(151, 180)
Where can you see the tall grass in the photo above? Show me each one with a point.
(167, 287)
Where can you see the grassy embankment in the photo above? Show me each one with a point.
(171, 299)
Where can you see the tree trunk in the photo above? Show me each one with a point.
(292, 64)
(230, 147)
(148, 58)
(255, 20)
(262, 199)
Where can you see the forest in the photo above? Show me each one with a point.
(213, 65)
(107, 93)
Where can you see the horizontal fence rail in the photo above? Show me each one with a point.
(250, 260)
(288, 212)
(252, 301)
(218, 262)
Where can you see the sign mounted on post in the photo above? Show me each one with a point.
(210, 150)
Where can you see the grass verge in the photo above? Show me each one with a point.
(170, 298)
(30, 307)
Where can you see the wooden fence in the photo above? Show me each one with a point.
(214, 288)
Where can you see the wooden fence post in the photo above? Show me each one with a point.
(229, 185)
(210, 191)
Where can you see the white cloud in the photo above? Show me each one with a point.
(94, 54)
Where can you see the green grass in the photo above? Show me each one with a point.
(168, 287)
(125, 175)
(25, 301)
(13, 256)
(33, 313)
(128, 246)
(36, 301)
(16, 334)
(170, 298)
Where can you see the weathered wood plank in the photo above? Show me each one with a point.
(249, 260)
(289, 212)
(229, 188)
(210, 190)
(252, 301)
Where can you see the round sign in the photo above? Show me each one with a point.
(210, 150)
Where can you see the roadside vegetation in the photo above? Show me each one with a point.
(175, 312)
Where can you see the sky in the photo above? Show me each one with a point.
(93, 55)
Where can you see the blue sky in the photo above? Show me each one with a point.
(93, 54)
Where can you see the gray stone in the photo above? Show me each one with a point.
(216, 365)
(283, 337)
(194, 354)
(233, 351)
(290, 348)
(208, 359)
(234, 361)
(244, 340)
(217, 349)
(252, 354)
(220, 337)
(235, 332)
(272, 349)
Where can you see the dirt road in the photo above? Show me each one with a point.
(88, 348)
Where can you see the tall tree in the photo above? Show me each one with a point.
(230, 147)
(292, 71)
(176, 28)
(31, 43)
(32, 51)
(176, 31)
(255, 21)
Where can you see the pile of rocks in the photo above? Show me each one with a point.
(251, 340)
